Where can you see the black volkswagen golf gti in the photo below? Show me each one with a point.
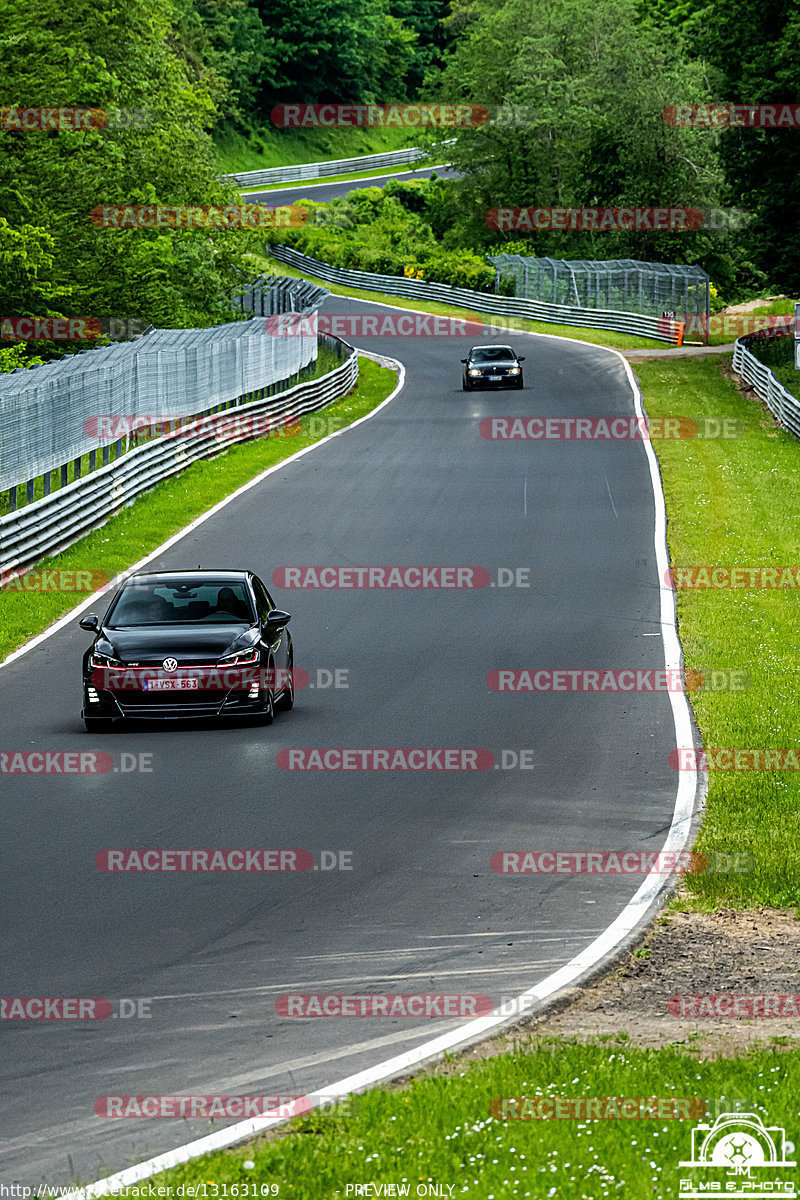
(492, 366)
(180, 644)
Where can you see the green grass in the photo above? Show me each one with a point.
(439, 1130)
(736, 502)
(598, 337)
(273, 147)
(159, 514)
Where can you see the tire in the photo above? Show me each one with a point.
(465, 387)
(286, 702)
(519, 386)
(98, 724)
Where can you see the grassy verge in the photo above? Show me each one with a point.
(159, 514)
(273, 147)
(734, 501)
(598, 337)
(438, 1130)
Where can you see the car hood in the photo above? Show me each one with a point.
(142, 642)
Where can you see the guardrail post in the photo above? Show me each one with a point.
(47, 480)
(12, 499)
(29, 491)
(64, 474)
(76, 468)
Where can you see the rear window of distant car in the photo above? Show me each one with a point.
(179, 603)
(492, 353)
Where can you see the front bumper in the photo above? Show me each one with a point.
(484, 381)
(147, 706)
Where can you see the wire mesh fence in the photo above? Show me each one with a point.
(622, 283)
(83, 411)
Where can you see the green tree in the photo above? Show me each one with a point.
(115, 56)
(585, 90)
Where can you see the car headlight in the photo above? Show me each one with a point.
(472, 371)
(514, 371)
(241, 658)
(105, 660)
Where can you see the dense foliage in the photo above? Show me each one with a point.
(582, 91)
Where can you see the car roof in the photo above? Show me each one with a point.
(212, 575)
(492, 347)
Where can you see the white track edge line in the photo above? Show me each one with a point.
(633, 915)
(176, 537)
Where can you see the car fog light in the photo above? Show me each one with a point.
(93, 696)
(253, 693)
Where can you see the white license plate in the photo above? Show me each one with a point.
(495, 376)
(170, 685)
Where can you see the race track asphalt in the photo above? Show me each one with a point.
(421, 910)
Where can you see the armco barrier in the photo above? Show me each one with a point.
(339, 166)
(662, 329)
(56, 521)
(782, 404)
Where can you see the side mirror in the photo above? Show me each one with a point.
(91, 623)
(465, 360)
(520, 358)
(276, 621)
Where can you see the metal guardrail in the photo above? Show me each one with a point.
(782, 404)
(662, 329)
(54, 522)
(336, 166)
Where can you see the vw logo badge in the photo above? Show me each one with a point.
(170, 664)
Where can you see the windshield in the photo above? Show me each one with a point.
(176, 603)
(492, 353)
